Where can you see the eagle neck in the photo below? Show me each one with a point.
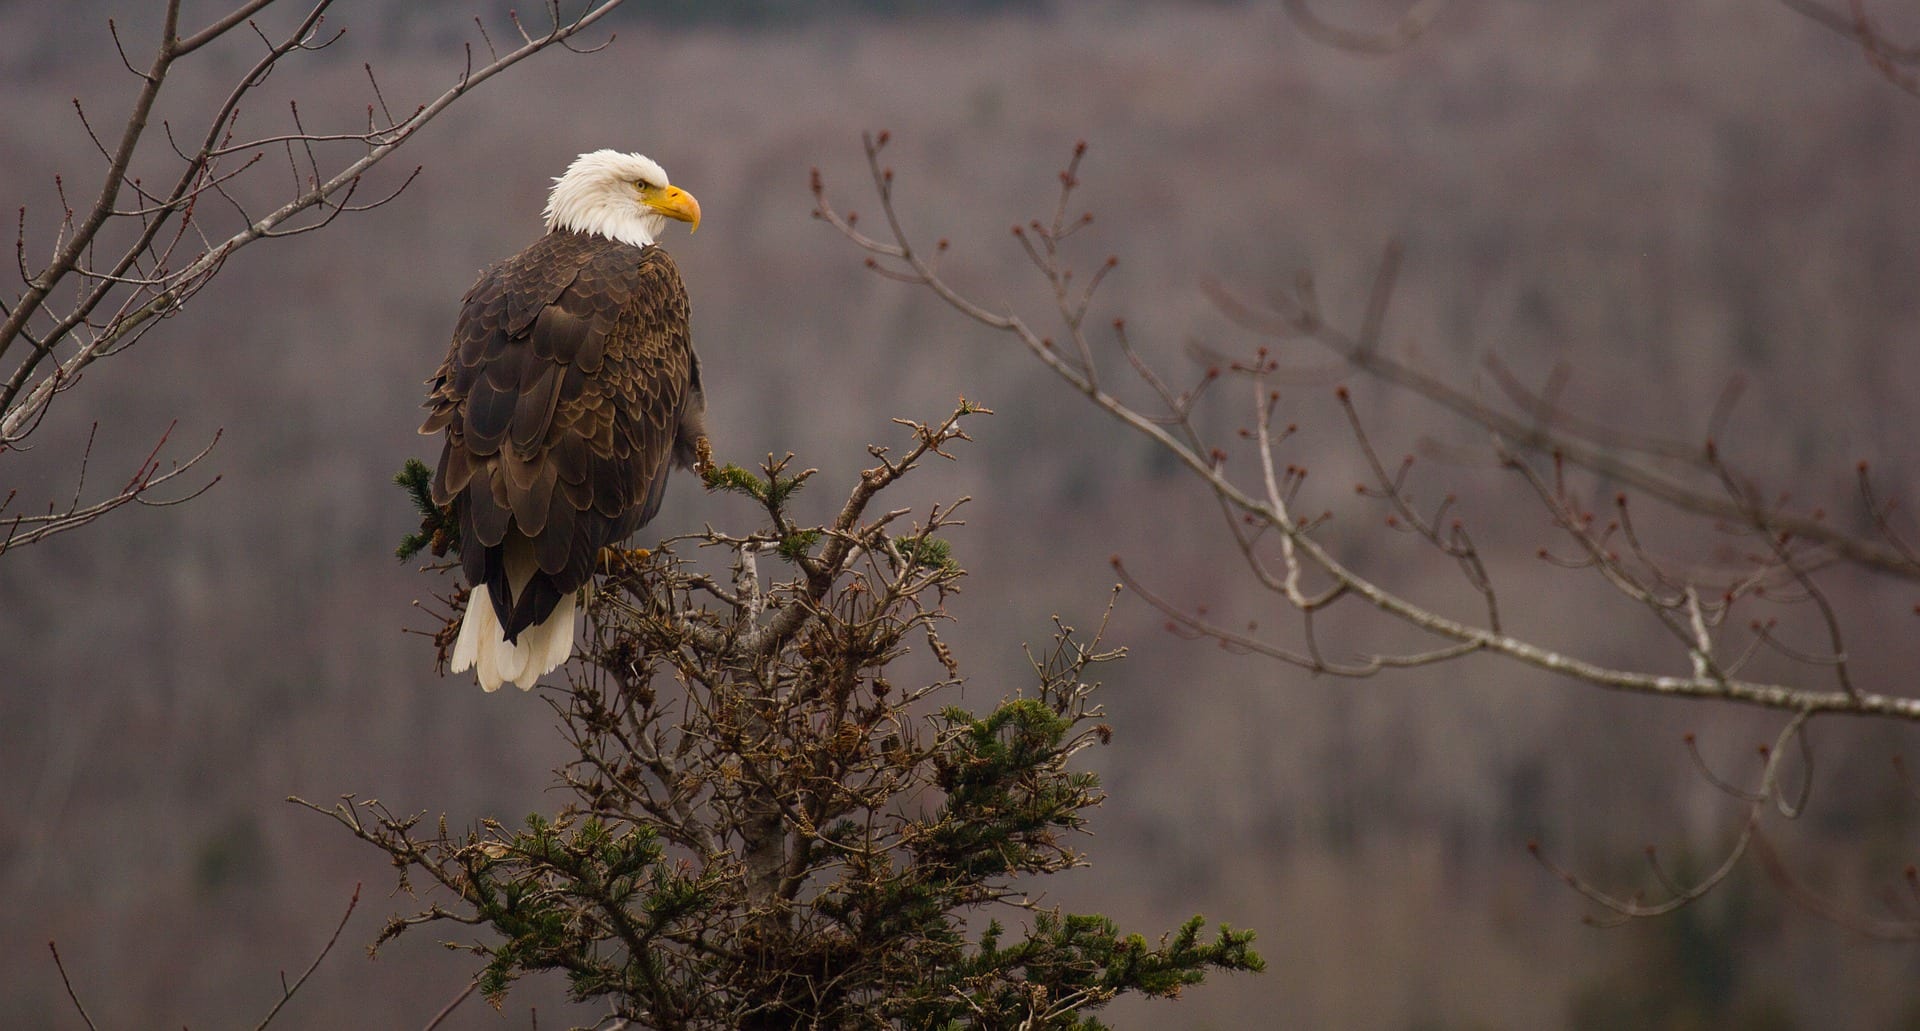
(616, 219)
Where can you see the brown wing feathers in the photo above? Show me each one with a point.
(566, 384)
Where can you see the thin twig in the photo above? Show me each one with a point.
(71, 994)
(447, 1010)
(286, 991)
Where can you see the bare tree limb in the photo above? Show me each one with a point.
(1855, 26)
(1299, 318)
(71, 994)
(1300, 548)
(116, 269)
(26, 529)
(287, 991)
(1411, 26)
(447, 1010)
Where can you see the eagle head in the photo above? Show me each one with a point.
(624, 197)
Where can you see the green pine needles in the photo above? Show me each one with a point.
(775, 818)
(438, 532)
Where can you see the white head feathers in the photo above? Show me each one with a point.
(615, 195)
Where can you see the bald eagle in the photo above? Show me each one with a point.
(569, 391)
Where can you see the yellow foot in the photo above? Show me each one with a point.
(620, 561)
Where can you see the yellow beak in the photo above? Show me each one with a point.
(673, 202)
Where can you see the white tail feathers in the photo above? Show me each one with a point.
(483, 647)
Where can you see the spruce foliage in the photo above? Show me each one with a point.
(775, 816)
(438, 532)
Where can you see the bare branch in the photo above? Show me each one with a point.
(447, 1010)
(68, 982)
(1301, 319)
(1681, 895)
(102, 290)
(21, 530)
(1410, 27)
(1855, 26)
(286, 991)
(1271, 510)
(221, 27)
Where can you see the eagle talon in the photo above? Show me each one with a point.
(622, 561)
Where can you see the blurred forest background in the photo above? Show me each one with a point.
(1662, 195)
